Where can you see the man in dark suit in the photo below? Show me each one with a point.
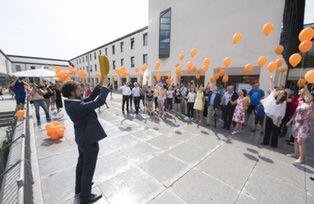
(227, 107)
(214, 99)
(88, 131)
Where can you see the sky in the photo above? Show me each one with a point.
(64, 29)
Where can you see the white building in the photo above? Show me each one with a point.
(177, 26)
(130, 51)
(21, 63)
(5, 68)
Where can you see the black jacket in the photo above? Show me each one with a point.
(87, 128)
(217, 99)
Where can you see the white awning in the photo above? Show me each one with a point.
(42, 73)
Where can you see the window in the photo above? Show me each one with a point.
(144, 58)
(83, 59)
(94, 55)
(106, 51)
(80, 60)
(99, 52)
(18, 68)
(33, 67)
(145, 39)
(132, 62)
(113, 64)
(86, 58)
(113, 50)
(121, 46)
(132, 43)
(122, 62)
(164, 33)
(91, 68)
(95, 67)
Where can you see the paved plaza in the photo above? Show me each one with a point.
(147, 160)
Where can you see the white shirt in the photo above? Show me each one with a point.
(273, 110)
(170, 94)
(126, 90)
(191, 97)
(136, 92)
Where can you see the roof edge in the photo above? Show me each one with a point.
(125, 36)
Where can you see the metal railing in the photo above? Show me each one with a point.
(17, 180)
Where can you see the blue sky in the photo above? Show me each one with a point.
(66, 28)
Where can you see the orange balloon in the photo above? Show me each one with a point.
(157, 65)
(147, 77)
(212, 79)
(279, 49)
(20, 114)
(268, 28)
(248, 68)
(158, 77)
(181, 56)
(227, 61)
(306, 34)
(189, 65)
(205, 68)
(206, 61)
(216, 76)
(58, 69)
(198, 75)
(295, 59)
(262, 61)
(136, 69)
(144, 67)
(283, 69)
(193, 52)
(305, 46)
(115, 78)
(221, 73)
(237, 37)
(301, 83)
(97, 75)
(309, 76)
(279, 62)
(225, 78)
(272, 66)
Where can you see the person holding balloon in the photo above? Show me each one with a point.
(88, 131)
(301, 128)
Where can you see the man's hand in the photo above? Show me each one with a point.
(105, 82)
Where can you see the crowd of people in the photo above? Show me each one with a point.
(272, 113)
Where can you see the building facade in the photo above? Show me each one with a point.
(177, 26)
(22, 63)
(130, 50)
(5, 69)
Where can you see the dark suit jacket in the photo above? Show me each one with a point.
(87, 128)
(234, 97)
(217, 99)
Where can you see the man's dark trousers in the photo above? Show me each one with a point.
(125, 99)
(85, 169)
(137, 101)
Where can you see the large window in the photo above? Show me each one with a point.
(18, 68)
(145, 39)
(132, 62)
(106, 51)
(132, 43)
(164, 33)
(99, 52)
(122, 62)
(33, 67)
(113, 49)
(121, 46)
(113, 64)
(95, 67)
(144, 58)
(94, 55)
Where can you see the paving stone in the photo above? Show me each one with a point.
(197, 188)
(164, 142)
(76, 200)
(266, 188)
(132, 186)
(53, 191)
(236, 164)
(167, 197)
(207, 142)
(246, 199)
(145, 135)
(121, 142)
(188, 153)
(140, 152)
(165, 168)
(60, 162)
(110, 165)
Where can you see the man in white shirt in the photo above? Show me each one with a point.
(136, 92)
(126, 92)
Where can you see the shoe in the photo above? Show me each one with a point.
(234, 132)
(91, 199)
(292, 155)
(262, 133)
(298, 161)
